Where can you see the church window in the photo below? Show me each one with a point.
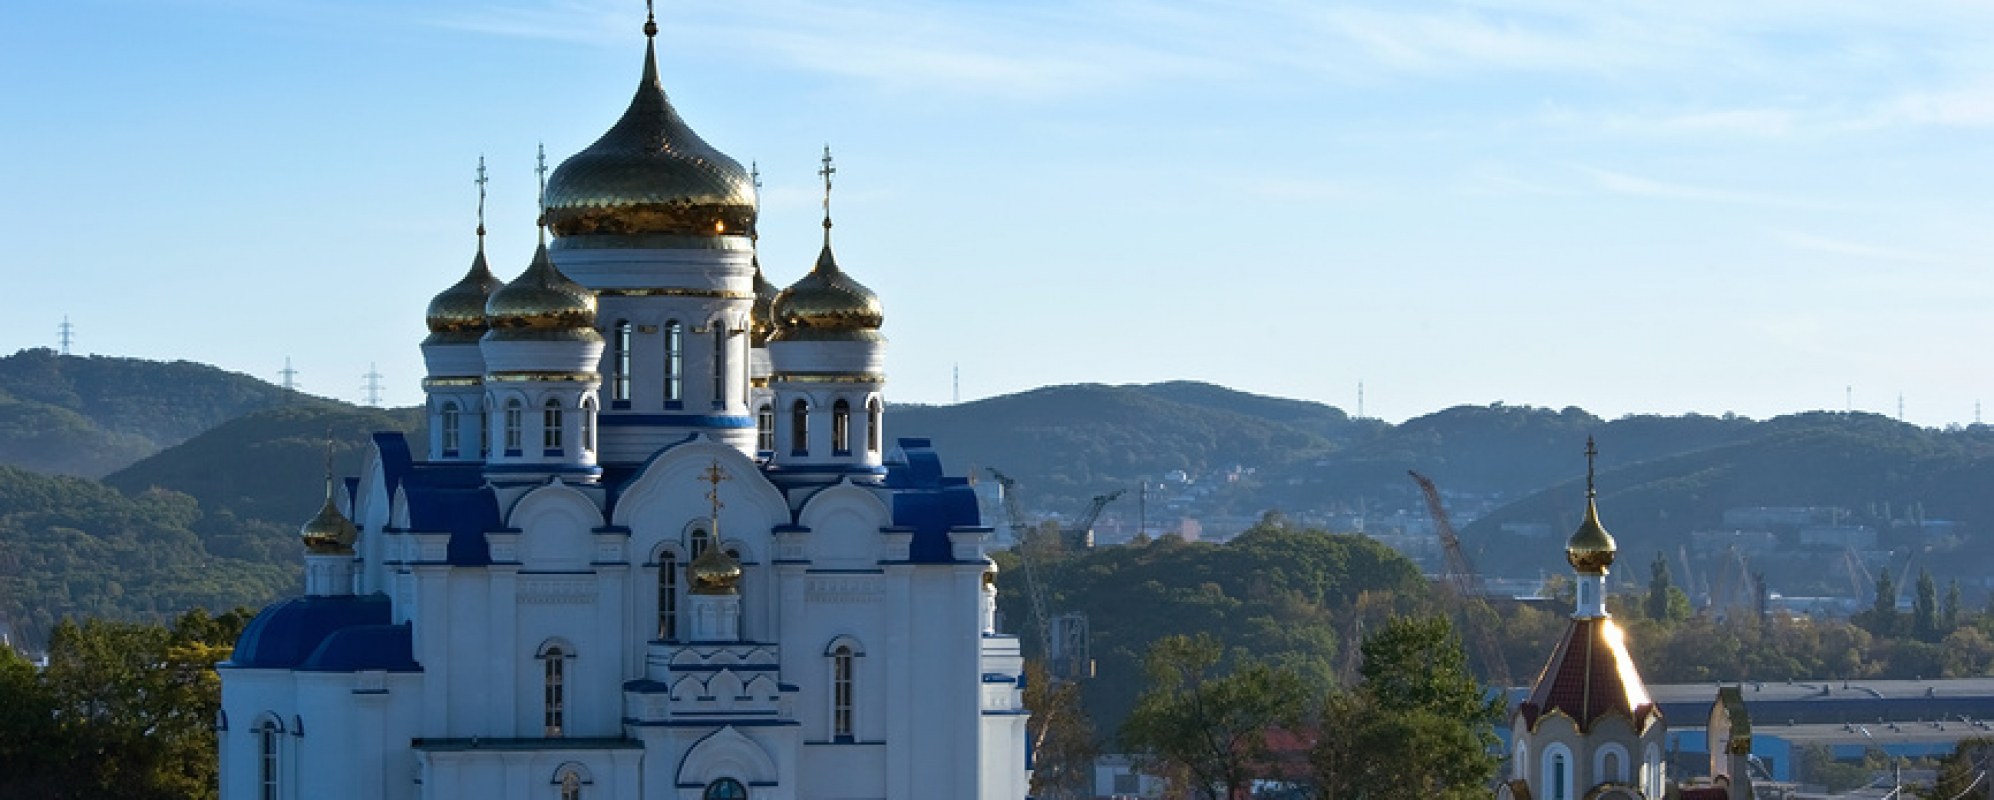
(588, 425)
(700, 539)
(1609, 768)
(875, 414)
(550, 426)
(668, 597)
(571, 786)
(765, 428)
(799, 428)
(619, 362)
(1557, 777)
(267, 739)
(449, 425)
(725, 789)
(841, 428)
(674, 362)
(719, 365)
(514, 414)
(485, 428)
(841, 692)
(555, 663)
(1522, 761)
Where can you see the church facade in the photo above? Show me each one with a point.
(655, 545)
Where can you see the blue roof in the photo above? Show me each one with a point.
(384, 647)
(928, 502)
(466, 514)
(287, 633)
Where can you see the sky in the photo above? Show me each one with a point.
(1632, 207)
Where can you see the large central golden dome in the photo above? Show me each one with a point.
(650, 174)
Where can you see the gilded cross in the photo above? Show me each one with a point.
(713, 475)
(1592, 456)
(481, 181)
(827, 172)
(650, 19)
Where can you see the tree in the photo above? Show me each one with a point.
(1925, 608)
(1063, 747)
(1665, 602)
(1210, 724)
(1419, 726)
(1881, 619)
(1949, 612)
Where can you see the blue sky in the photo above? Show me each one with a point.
(1632, 207)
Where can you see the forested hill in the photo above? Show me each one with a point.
(90, 415)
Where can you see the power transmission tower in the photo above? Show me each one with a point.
(373, 385)
(66, 334)
(958, 383)
(290, 377)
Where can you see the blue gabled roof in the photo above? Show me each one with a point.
(363, 647)
(466, 514)
(928, 502)
(286, 633)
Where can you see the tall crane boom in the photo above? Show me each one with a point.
(1034, 591)
(1467, 584)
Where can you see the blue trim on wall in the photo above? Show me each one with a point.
(609, 420)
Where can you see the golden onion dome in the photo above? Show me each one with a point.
(329, 533)
(1591, 548)
(650, 174)
(714, 572)
(827, 305)
(762, 315)
(542, 303)
(457, 315)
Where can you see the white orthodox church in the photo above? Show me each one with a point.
(657, 544)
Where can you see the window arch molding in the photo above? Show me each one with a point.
(725, 789)
(269, 732)
(1600, 766)
(1556, 770)
(1520, 764)
(577, 768)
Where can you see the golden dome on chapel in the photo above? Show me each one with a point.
(714, 572)
(457, 314)
(1591, 548)
(762, 315)
(330, 532)
(542, 304)
(650, 174)
(827, 305)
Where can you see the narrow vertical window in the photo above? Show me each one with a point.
(555, 697)
(1558, 777)
(674, 362)
(1610, 767)
(485, 428)
(571, 786)
(668, 597)
(449, 422)
(267, 738)
(875, 416)
(799, 428)
(700, 540)
(719, 365)
(841, 692)
(550, 426)
(514, 414)
(588, 425)
(841, 428)
(619, 361)
(765, 428)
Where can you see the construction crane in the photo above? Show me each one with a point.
(1034, 591)
(1081, 534)
(1467, 584)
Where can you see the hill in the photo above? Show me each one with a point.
(90, 415)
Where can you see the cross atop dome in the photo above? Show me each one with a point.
(828, 170)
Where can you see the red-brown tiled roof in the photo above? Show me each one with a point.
(1590, 675)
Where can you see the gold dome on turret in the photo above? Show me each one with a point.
(1591, 548)
(457, 314)
(329, 533)
(650, 174)
(827, 305)
(762, 315)
(714, 572)
(542, 304)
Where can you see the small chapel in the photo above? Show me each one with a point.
(655, 544)
(1588, 729)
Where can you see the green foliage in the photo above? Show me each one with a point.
(1208, 722)
(122, 710)
(1419, 726)
(1062, 737)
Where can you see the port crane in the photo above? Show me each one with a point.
(1466, 582)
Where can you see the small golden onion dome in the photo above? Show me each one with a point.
(714, 572)
(650, 174)
(762, 315)
(1591, 548)
(457, 315)
(542, 304)
(329, 533)
(827, 305)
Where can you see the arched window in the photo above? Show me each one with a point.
(698, 542)
(268, 735)
(1521, 764)
(555, 691)
(799, 428)
(765, 428)
(875, 414)
(719, 365)
(725, 789)
(668, 596)
(588, 425)
(1609, 768)
(674, 362)
(514, 412)
(485, 428)
(619, 361)
(841, 428)
(550, 426)
(571, 786)
(841, 692)
(448, 423)
(1559, 780)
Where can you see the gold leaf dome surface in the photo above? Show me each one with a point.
(540, 304)
(330, 532)
(762, 314)
(457, 314)
(650, 174)
(714, 572)
(1591, 548)
(827, 305)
